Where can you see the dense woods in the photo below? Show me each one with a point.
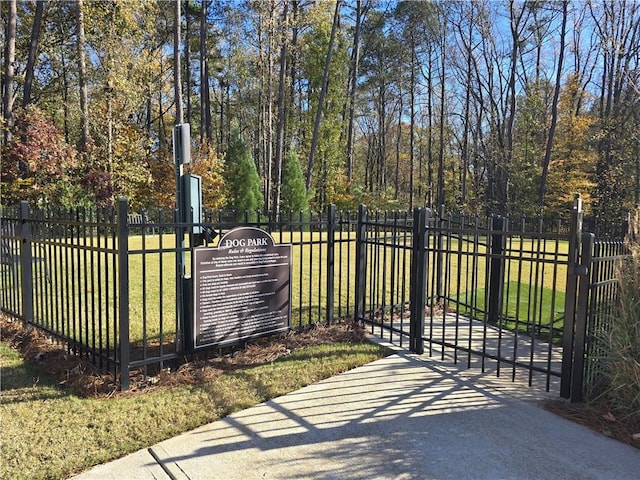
(504, 106)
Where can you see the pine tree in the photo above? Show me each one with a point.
(242, 176)
(294, 193)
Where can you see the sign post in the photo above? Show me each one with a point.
(181, 156)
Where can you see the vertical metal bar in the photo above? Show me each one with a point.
(180, 272)
(418, 281)
(372, 268)
(393, 288)
(496, 271)
(575, 232)
(26, 262)
(331, 245)
(361, 250)
(320, 265)
(123, 292)
(383, 275)
(75, 281)
(85, 282)
(520, 254)
(301, 260)
(577, 374)
(160, 285)
(311, 279)
(340, 220)
(100, 220)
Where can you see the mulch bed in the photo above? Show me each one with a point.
(599, 417)
(82, 377)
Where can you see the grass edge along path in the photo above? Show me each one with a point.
(51, 432)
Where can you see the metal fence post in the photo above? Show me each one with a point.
(123, 292)
(440, 256)
(580, 334)
(26, 268)
(496, 270)
(418, 281)
(361, 252)
(331, 243)
(575, 234)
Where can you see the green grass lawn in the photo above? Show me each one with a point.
(50, 433)
(527, 309)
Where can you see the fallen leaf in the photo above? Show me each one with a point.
(609, 417)
(636, 436)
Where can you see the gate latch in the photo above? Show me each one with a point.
(582, 270)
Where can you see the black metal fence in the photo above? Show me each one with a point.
(467, 289)
(497, 293)
(106, 283)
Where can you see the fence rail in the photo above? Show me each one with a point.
(497, 293)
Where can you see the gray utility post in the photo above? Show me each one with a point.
(188, 219)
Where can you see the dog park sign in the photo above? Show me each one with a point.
(241, 289)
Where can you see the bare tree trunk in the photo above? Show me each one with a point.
(82, 78)
(187, 63)
(442, 117)
(9, 59)
(65, 97)
(177, 74)
(355, 62)
(554, 108)
(269, 113)
(323, 94)
(292, 121)
(396, 182)
(467, 41)
(281, 110)
(205, 100)
(33, 49)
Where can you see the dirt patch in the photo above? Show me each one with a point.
(599, 417)
(85, 379)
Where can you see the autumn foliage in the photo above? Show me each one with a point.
(38, 165)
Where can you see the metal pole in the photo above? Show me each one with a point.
(418, 281)
(361, 252)
(331, 245)
(575, 233)
(577, 374)
(123, 292)
(496, 270)
(26, 268)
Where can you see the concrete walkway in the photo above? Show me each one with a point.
(401, 417)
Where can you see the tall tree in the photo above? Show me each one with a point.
(294, 192)
(9, 61)
(618, 27)
(353, 82)
(205, 100)
(177, 73)
(554, 107)
(33, 50)
(416, 21)
(323, 93)
(82, 77)
(242, 176)
(279, 152)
